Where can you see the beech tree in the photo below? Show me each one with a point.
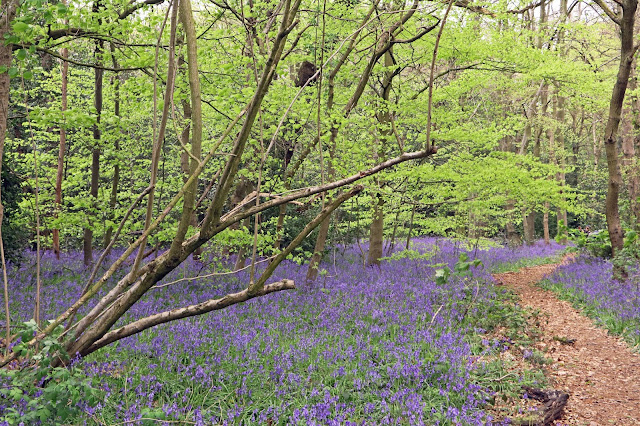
(626, 22)
(208, 129)
(94, 330)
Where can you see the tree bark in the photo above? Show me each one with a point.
(545, 224)
(61, 152)
(158, 142)
(529, 225)
(113, 199)
(8, 10)
(318, 250)
(631, 152)
(95, 150)
(376, 232)
(184, 157)
(627, 51)
(560, 118)
(561, 160)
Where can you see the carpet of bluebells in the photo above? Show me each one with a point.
(361, 345)
(588, 282)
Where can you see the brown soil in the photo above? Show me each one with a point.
(599, 371)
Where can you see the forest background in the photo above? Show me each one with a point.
(272, 130)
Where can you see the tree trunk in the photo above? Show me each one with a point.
(545, 224)
(318, 251)
(513, 238)
(631, 152)
(61, 152)
(8, 11)
(627, 51)
(113, 199)
(184, 158)
(376, 232)
(561, 161)
(95, 152)
(529, 225)
(560, 119)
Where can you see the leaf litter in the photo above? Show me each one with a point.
(599, 371)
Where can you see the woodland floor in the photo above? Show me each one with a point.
(599, 371)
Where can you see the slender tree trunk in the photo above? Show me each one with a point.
(113, 199)
(318, 250)
(95, 152)
(513, 238)
(383, 47)
(545, 224)
(376, 232)
(413, 212)
(187, 20)
(61, 151)
(159, 132)
(561, 160)
(184, 158)
(8, 10)
(528, 216)
(560, 119)
(529, 219)
(392, 243)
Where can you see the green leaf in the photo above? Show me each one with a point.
(15, 393)
(27, 75)
(20, 27)
(44, 414)
(22, 54)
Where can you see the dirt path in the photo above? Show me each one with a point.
(600, 373)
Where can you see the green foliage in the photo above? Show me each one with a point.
(628, 259)
(461, 269)
(410, 254)
(45, 393)
(14, 236)
(595, 243)
(507, 333)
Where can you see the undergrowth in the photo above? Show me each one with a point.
(403, 343)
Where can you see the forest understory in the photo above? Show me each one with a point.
(285, 212)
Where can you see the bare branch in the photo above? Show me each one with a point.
(188, 311)
(324, 213)
(226, 220)
(85, 64)
(614, 17)
(138, 6)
